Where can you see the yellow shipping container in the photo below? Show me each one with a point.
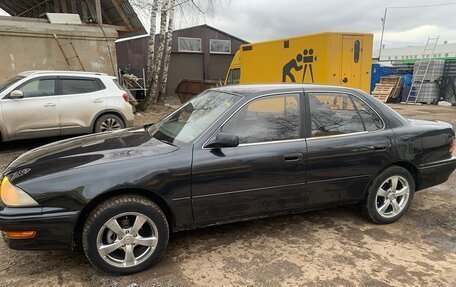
(343, 59)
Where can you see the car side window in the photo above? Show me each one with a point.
(79, 86)
(266, 119)
(333, 114)
(371, 120)
(38, 88)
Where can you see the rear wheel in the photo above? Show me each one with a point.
(125, 234)
(389, 196)
(108, 122)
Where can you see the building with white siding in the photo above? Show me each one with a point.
(413, 53)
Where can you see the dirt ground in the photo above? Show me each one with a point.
(334, 247)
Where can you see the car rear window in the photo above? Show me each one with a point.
(80, 86)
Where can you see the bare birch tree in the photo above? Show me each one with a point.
(167, 57)
(158, 59)
(151, 44)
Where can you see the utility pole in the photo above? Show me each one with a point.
(383, 31)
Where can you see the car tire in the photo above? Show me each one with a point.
(108, 122)
(389, 195)
(131, 248)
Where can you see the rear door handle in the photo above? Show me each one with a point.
(293, 156)
(48, 105)
(98, 101)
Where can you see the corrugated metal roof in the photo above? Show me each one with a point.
(114, 12)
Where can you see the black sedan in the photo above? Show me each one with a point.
(230, 154)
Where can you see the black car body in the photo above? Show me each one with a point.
(312, 161)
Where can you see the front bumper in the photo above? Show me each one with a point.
(435, 173)
(54, 227)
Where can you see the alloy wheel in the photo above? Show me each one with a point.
(127, 239)
(110, 124)
(392, 196)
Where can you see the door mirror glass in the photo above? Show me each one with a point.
(224, 140)
(16, 94)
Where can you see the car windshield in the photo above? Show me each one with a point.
(9, 82)
(188, 122)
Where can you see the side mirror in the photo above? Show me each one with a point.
(224, 140)
(16, 94)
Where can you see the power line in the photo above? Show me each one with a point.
(421, 6)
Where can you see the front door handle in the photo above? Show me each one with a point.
(378, 147)
(49, 105)
(293, 156)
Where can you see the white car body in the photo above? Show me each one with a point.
(73, 106)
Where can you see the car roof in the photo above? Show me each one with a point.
(51, 72)
(261, 89)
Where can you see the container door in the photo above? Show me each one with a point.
(351, 61)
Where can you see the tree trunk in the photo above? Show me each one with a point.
(169, 44)
(150, 56)
(151, 44)
(159, 56)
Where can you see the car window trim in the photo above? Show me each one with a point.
(309, 137)
(300, 94)
(7, 96)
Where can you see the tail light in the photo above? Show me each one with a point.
(125, 97)
(453, 147)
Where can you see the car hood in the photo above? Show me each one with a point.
(88, 150)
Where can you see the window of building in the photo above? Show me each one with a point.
(79, 86)
(395, 57)
(266, 119)
(402, 57)
(446, 54)
(389, 58)
(336, 114)
(38, 88)
(189, 44)
(220, 46)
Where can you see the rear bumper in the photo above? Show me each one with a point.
(54, 229)
(436, 172)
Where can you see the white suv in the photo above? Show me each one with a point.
(53, 103)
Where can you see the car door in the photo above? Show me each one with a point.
(347, 144)
(81, 99)
(34, 115)
(265, 174)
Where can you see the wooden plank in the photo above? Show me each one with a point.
(122, 14)
(98, 10)
(64, 6)
(73, 7)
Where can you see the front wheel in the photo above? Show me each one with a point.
(389, 196)
(125, 234)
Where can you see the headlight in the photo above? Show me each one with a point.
(15, 197)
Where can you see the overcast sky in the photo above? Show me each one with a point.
(259, 20)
